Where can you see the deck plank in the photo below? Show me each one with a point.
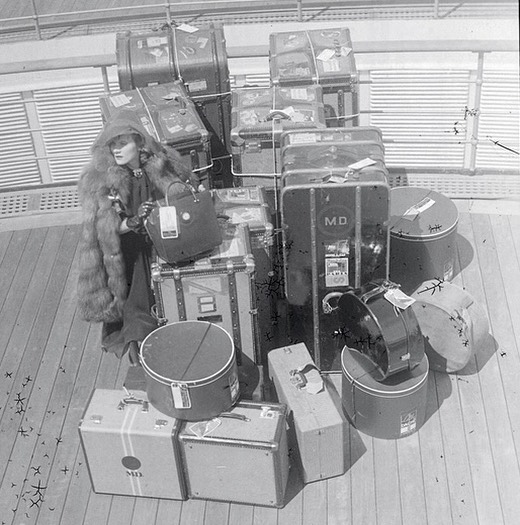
(477, 434)
(500, 375)
(363, 480)
(387, 482)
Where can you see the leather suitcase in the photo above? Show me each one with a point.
(240, 457)
(131, 448)
(248, 205)
(319, 56)
(335, 237)
(195, 55)
(258, 118)
(170, 116)
(317, 427)
(219, 288)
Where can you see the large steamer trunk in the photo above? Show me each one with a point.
(131, 448)
(219, 288)
(319, 56)
(168, 114)
(197, 56)
(335, 238)
(240, 457)
(259, 116)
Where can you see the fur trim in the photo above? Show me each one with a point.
(102, 286)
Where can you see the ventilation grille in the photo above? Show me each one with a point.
(59, 200)
(13, 204)
(32, 202)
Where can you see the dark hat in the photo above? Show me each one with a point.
(124, 122)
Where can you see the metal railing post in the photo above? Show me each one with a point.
(168, 13)
(36, 20)
(476, 111)
(300, 10)
(435, 8)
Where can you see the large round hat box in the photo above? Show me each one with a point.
(453, 324)
(390, 409)
(191, 371)
(423, 236)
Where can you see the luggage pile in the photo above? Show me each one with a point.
(312, 234)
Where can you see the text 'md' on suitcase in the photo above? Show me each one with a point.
(319, 56)
(130, 447)
(195, 55)
(335, 237)
(317, 427)
(218, 288)
(169, 116)
(239, 457)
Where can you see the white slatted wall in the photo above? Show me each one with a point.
(425, 116)
(421, 114)
(17, 157)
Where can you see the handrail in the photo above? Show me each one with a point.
(255, 51)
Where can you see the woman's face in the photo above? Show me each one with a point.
(125, 151)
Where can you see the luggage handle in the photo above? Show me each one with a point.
(325, 303)
(133, 401)
(277, 114)
(231, 415)
(189, 186)
(379, 288)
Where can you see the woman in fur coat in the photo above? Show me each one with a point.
(128, 171)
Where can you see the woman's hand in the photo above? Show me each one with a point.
(136, 222)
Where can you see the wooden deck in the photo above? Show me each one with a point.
(462, 467)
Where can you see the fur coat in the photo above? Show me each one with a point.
(102, 285)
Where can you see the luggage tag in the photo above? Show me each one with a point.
(169, 222)
(119, 100)
(411, 213)
(187, 28)
(398, 298)
(181, 395)
(203, 428)
(326, 55)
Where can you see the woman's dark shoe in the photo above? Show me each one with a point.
(133, 353)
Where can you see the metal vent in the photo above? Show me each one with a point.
(61, 199)
(12, 204)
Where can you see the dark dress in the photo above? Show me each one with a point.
(137, 321)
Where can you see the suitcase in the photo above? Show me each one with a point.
(258, 118)
(377, 320)
(197, 56)
(317, 427)
(131, 448)
(423, 236)
(335, 237)
(391, 409)
(241, 458)
(319, 56)
(464, 323)
(170, 116)
(219, 288)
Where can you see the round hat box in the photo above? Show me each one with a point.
(423, 236)
(453, 324)
(390, 409)
(389, 336)
(191, 371)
